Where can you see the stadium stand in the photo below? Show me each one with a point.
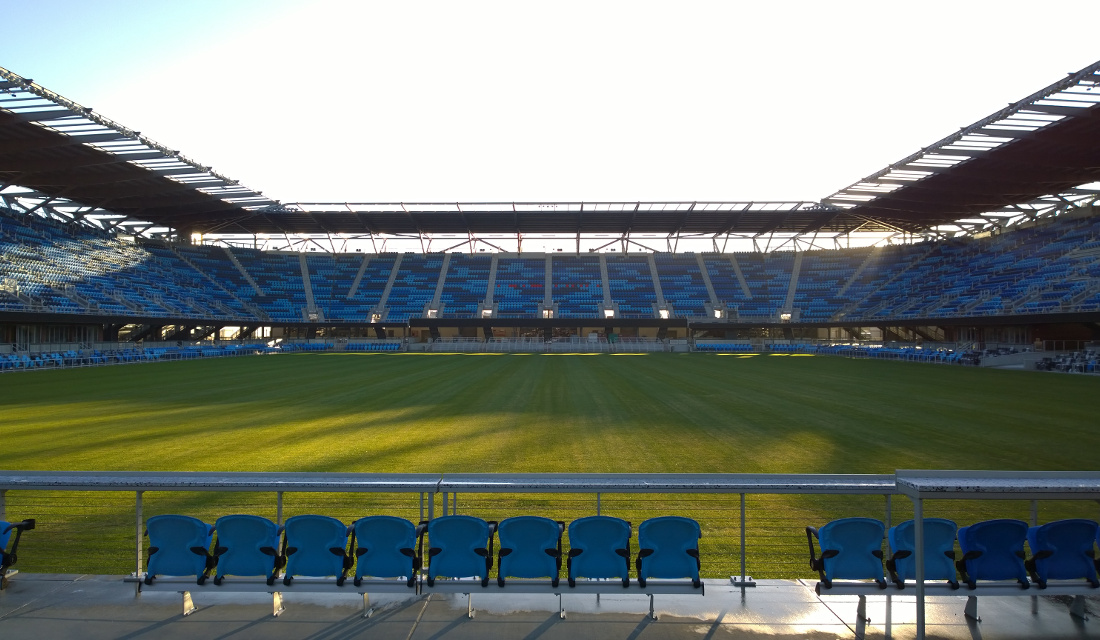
(57, 269)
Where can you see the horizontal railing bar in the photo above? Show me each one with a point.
(450, 483)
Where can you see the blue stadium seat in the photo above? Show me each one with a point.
(9, 556)
(385, 547)
(851, 549)
(316, 546)
(993, 550)
(1063, 550)
(599, 547)
(530, 547)
(247, 546)
(179, 546)
(461, 546)
(668, 547)
(939, 552)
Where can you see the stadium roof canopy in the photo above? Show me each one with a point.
(1038, 154)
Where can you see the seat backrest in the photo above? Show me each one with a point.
(530, 547)
(178, 545)
(315, 546)
(247, 545)
(385, 547)
(1070, 547)
(5, 535)
(939, 548)
(999, 548)
(668, 547)
(599, 547)
(855, 540)
(462, 543)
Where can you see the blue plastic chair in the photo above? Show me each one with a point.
(1063, 550)
(993, 550)
(851, 549)
(316, 546)
(9, 556)
(247, 546)
(530, 547)
(599, 547)
(461, 546)
(668, 547)
(385, 546)
(939, 552)
(179, 546)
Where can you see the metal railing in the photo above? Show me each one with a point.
(444, 490)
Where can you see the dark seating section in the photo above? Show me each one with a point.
(50, 267)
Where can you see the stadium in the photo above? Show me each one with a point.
(316, 342)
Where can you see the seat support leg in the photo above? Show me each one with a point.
(277, 603)
(652, 613)
(188, 603)
(1077, 609)
(861, 617)
(971, 609)
(561, 608)
(469, 605)
(368, 610)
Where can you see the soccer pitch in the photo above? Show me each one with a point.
(659, 413)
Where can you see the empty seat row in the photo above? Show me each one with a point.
(851, 549)
(387, 547)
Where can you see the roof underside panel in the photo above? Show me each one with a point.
(1041, 149)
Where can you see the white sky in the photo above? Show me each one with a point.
(560, 101)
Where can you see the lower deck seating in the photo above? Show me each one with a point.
(992, 561)
(388, 554)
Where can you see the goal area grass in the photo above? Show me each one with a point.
(513, 413)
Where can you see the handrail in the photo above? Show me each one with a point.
(770, 483)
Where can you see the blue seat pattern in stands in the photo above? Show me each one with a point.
(578, 286)
(631, 286)
(414, 287)
(520, 287)
(682, 284)
(466, 285)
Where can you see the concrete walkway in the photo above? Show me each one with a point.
(47, 606)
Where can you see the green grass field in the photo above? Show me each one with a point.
(531, 413)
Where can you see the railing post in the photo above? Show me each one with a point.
(1034, 513)
(918, 544)
(888, 510)
(421, 507)
(445, 496)
(279, 508)
(454, 503)
(742, 580)
(597, 504)
(137, 542)
(3, 504)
